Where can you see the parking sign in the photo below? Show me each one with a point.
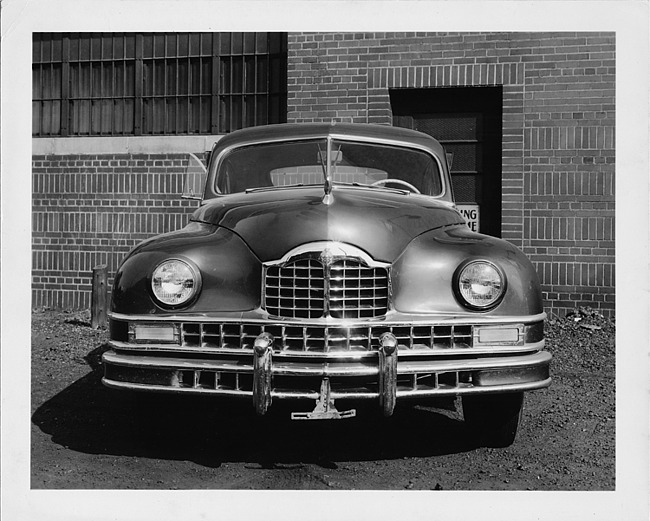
(471, 214)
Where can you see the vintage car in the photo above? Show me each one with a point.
(328, 265)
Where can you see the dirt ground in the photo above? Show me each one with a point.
(85, 436)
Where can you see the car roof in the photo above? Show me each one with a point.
(315, 130)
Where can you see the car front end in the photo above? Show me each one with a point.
(327, 295)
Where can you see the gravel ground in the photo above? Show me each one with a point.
(85, 436)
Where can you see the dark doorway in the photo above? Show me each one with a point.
(467, 121)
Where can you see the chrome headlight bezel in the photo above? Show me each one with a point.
(187, 277)
(494, 279)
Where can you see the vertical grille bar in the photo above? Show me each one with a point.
(326, 335)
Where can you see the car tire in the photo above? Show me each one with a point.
(494, 418)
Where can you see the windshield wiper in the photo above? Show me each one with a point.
(356, 184)
(274, 187)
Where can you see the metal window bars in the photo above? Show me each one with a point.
(156, 83)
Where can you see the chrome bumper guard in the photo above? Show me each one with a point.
(410, 378)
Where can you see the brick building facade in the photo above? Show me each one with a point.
(554, 129)
(90, 210)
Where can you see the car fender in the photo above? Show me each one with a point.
(231, 274)
(423, 276)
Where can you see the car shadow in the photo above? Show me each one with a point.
(90, 418)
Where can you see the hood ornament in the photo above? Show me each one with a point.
(326, 257)
(326, 164)
(328, 198)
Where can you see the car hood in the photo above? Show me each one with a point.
(380, 222)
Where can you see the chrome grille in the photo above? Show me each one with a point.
(322, 339)
(447, 380)
(357, 291)
(218, 380)
(296, 290)
(307, 288)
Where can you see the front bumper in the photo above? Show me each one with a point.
(415, 378)
(386, 372)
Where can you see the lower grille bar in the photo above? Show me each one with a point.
(358, 395)
(324, 338)
(350, 380)
(328, 368)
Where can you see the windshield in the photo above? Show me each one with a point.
(301, 163)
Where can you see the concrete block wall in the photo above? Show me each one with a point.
(558, 130)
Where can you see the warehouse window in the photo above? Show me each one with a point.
(94, 84)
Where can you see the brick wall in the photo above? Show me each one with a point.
(92, 209)
(558, 130)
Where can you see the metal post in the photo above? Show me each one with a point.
(99, 303)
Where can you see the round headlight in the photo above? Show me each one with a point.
(174, 282)
(480, 284)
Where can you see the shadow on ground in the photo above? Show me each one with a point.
(89, 418)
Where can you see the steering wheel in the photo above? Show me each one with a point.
(398, 182)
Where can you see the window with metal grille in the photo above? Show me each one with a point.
(90, 84)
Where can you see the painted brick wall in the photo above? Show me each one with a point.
(558, 130)
(92, 209)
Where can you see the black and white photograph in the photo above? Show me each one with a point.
(325, 260)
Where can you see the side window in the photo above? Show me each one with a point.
(195, 178)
